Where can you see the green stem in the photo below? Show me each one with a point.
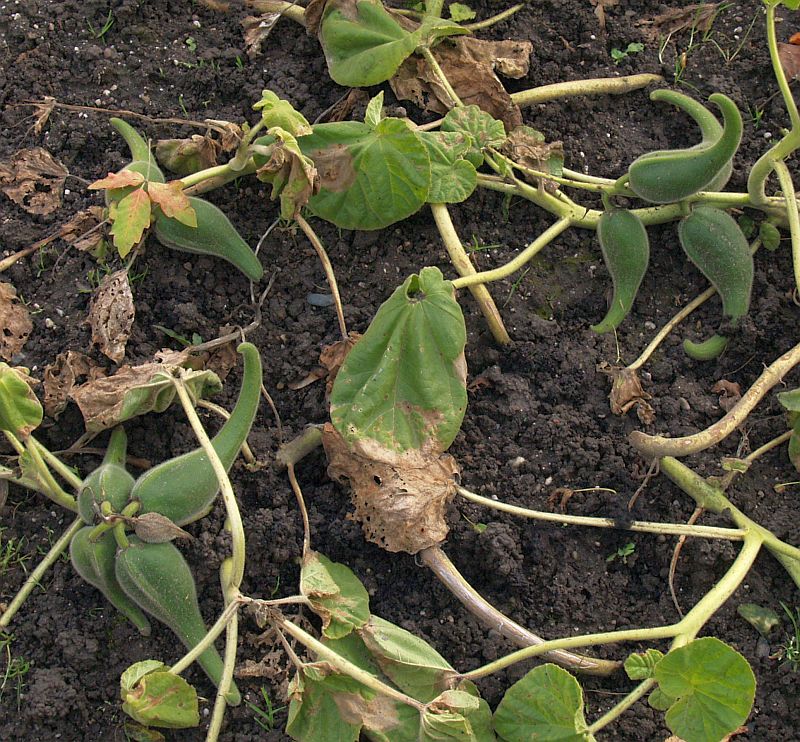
(67, 474)
(433, 8)
(492, 20)
(219, 626)
(667, 529)
(34, 577)
(524, 257)
(50, 488)
(464, 267)
(228, 496)
(777, 67)
(439, 72)
(792, 215)
(638, 692)
(229, 659)
(345, 666)
(292, 10)
(595, 86)
(298, 448)
(210, 172)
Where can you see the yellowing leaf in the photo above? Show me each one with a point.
(131, 217)
(122, 179)
(173, 201)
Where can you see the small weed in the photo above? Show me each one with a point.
(182, 105)
(791, 648)
(185, 342)
(99, 33)
(477, 527)
(239, 63)
(623, 552)
(191, 43)
(515, 286)
(476, 246)
(12, 553)
(265, 717)
(16, 668)
(633, 48)
(756, 115)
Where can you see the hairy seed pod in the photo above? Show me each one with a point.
(109, 482)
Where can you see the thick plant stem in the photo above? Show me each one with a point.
(50, 488)
(595, 86)
(654, 446)
(665, 529)
(463, 265)
(327, 267)
(792, 215)
(226, 490)
(524, 257)
(208, 639)
(344, 666)
(298, 448)
(35, 577)
(229, 659)
(437, 561)
(290, 10)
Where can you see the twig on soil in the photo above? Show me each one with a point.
(676, 553)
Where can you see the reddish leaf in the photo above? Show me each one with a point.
(122, 179)
(131, 217)
(173, 201)
(789, 54)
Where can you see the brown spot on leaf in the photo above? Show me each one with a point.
(15, 323)
(34, 180)
(111, 315)
(61, 377)
(334, 167)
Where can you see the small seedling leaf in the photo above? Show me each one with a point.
(453, 178)
(714, 685)
(762, 619)
(374, 113)
(790, 400)
(173, 201)
(133, 674)
(370, 177)
(278, 112)
(20, 410)
(335, 593)
(409, 662)
(459, 12)
(483, 130)
(546, 704)
(14, 320)
(641, 666)
(130, 217)
(161, 699)
(770, 236)
(403, 385)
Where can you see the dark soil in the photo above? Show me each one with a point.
(540, 421)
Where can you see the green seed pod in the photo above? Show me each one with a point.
(94, 562)
(710, 128)
(714, 242)
(213, 235)
(708, 350)
(158, 579)
(626, 252)
(671, 175)
(184, 488)
(140, 149)
(109, 482)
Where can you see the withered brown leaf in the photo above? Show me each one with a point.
(627, 393)
(82, 230)
(61, 377)
(789, 55)
(729, 393)
(529, 148)
(256, 30)
(154, 528)
(399, 499)
(111, 315)
(34, 180)
(15, 322)
(698, 15)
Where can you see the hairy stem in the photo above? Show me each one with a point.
(595, 86)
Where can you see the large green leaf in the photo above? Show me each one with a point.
(335, 593)
(20, 410)
(403, 383)
(364, 45)
(545, 705)
(314, 712)
(409, 662)
(453, 178)
(714, 687)
(369, 177)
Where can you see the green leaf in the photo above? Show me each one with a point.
(281, 113)
(791, 4)
(546, 704)
(409, 662)
(641, 666)
(370, 177)
(291, 173)
(457, 715)
(714, 686)
(403, 383)
(335, 593)
(659, 700)
(453, 179)
(790, 400)
(483, 130)
(794, 446)
(130, 217)
(374, 112)
(460, 12)
(364, 45)
(770, 236)
(762, 619)
(20, 410)
(133, 674)
(159, 698)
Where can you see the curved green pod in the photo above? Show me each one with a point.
(140, 149)
(714, 242)
(94, 562)
(669, 175)
(626, 252)
(213, 235)
(108, 482)
(710, 128)
(707, 350)
(184, 488)
(158, 579)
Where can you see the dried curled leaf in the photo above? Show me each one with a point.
(627, 393)
(61, 376)
(15, 322)
(331, 357)
(34, 180)
(186, 156)
(399, 498)
(789, 55)
(155, 528)
(82, 231)
(695, 17)
(256, 30)
(528, 147)
(729, 393)
(111, 315)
